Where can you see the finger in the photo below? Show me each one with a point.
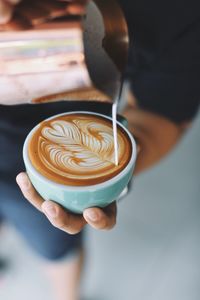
(57, 216)
(28, 191)
(6, 10)
(76, 6)
(14, 2)
(76, 9)
(104, 219)
(62, 219)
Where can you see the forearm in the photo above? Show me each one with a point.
(155, 136)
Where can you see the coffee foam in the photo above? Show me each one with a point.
(78, 149)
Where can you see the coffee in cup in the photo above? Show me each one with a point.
(78, 149)
(70, 159)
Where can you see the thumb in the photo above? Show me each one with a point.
(6, 10)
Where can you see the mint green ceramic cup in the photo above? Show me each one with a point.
(78, 198)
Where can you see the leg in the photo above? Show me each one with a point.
(62, 253)
(65, 276)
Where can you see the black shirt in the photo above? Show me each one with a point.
(164, 58)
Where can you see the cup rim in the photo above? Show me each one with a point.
(104, 184)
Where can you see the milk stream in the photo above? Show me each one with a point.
(114, 121)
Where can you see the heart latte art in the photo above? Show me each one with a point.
(78, 149)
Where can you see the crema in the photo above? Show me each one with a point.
(78, 149)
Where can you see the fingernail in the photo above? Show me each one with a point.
(23, 181)
(49, 209)
(92, 215)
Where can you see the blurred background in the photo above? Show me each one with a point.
(154, 251)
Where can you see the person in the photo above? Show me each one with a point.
(164, 73)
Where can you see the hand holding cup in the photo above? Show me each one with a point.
(69, 159)
(101, 219)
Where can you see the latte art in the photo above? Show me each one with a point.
(78, 149)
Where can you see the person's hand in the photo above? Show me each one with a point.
(32, 83)
(97, 218)
(6, 10)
